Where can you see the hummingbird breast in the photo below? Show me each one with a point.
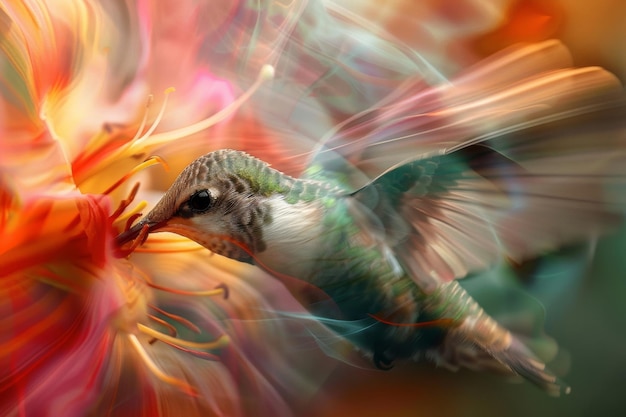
(368, 297)
(322, 244)
(292, 237)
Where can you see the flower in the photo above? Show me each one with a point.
(87, 99)
(86, 328)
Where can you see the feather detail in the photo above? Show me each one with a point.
(520, 87)
(478, 342)
(458, 212)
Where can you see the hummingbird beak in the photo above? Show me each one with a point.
(137, 230)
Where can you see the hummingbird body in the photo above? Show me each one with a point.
(335, 240)
(328, 238)
(320, 242)
(513, 158)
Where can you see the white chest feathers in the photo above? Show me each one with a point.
(293, 237)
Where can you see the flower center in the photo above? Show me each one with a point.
(135, 292)
(136, 284)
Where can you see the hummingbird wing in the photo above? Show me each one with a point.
(463, 209)
(521, 86)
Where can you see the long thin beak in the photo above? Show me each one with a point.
(134, 231)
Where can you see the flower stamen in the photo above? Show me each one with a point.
(137, 140)
(170, 328)
(144, 120)
(153, 160)
(156, 371)
(170, 245)
(177, 318)
(221, 289)
(220, 342)
(173, 333)
(133, 216)
(266, 74)
(125, 203)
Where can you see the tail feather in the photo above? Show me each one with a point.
(517, 360)
(521, 361)
(478, 342)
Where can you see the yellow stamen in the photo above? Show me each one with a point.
(140, 206)
(125, 203)
(156, 371)
(142, 125)
(221, 342)
(165, 324)
(169, 245)
(156, 122)
(153, 160)
(204, 293)
(221, 289)
(266, 74)
(177, 318)
(129, 148)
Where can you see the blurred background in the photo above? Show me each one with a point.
(585, 308)
(205, 49)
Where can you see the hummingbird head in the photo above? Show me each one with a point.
(221, 201)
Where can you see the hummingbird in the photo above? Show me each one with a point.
(383, 257)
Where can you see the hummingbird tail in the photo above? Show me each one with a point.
(463, 348)
(521, 361)
(479, 342)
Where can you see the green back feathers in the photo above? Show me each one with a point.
(263, 180)
(240, 167)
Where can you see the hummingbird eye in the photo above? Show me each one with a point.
(200, 201)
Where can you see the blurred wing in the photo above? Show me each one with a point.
(330, 64)
(462, 210)
(517, 88)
